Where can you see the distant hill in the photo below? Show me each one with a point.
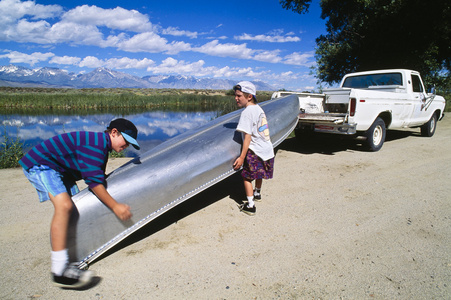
(16, 76)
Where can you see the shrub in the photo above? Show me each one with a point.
(114, 154)
(11, 151)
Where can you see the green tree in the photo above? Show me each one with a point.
(378, 34)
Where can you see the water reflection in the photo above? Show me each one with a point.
(153, 127)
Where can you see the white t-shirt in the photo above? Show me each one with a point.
(253, 121)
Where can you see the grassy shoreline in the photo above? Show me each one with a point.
(67, 99)
(24, 98)
(42, 101)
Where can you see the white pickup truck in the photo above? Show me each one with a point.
(368, 103)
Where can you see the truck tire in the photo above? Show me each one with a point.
(303, 134)
(428, 129)
(375, 136)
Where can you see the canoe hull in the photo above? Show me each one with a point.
(165, 176)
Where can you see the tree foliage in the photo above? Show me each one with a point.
(382, 34)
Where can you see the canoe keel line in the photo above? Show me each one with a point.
(166, 176)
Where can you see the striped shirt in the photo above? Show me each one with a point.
(79, 154)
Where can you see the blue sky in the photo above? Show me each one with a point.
(237, 40)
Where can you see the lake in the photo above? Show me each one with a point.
(153, 127)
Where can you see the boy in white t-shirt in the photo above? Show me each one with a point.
(257, 153)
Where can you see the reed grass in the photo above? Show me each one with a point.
(46, 98)
(105, 100)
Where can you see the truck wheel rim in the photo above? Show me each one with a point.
(432, 127)
(377, 135)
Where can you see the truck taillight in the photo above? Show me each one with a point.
(352, 104)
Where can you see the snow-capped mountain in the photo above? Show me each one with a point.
(17, 76)
(106, 78)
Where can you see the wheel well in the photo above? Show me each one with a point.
(437, 113)
(386, 116)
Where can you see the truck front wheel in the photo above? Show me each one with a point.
(375, 136)
(428, 129)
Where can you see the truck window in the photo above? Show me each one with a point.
(365, 81)
(416, 84)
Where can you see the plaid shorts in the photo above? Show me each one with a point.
(255, 168)
(46, 180)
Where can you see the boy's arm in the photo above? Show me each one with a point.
(121, 210)
(240, 160)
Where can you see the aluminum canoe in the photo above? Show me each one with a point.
(165, 176)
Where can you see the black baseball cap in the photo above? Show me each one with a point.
(127, 129)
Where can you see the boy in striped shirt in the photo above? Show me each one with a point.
(54, 166)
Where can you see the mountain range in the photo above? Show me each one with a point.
(17, 76)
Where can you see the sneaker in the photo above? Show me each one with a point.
(73, 277)
(257, 196)
(248, 210)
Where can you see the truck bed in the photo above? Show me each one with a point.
(336, 118)
(326, 122)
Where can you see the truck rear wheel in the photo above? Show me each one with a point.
(375, 136)
(303, 134)
(428, 129)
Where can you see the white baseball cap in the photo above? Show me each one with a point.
(246, 87)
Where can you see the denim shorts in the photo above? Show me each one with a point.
(47, 180)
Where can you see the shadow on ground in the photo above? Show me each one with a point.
(329, 144)
(230, 187)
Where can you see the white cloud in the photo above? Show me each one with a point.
(27, 22)
(31, 59)
(13, 27)
(116, 63)
(268, 38)
(151, 42)
(91, 62)
(25, 31)
(177, 32)
(229, 72)
(298, 59)
(176, 47)
(77, 34)
(223, 37)
(12, 10)
(128, 63)
(65, 60)
(268, 56)
(116, 18)
(226, 50)
(144, 42)
(173, 66)
(198, 69)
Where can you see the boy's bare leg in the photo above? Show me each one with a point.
(258, 183)
(248, 206)
(58, 230)
(249, 190)
(65, 275)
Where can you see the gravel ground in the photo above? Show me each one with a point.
(336, 222)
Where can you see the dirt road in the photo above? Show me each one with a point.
(335, 223)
